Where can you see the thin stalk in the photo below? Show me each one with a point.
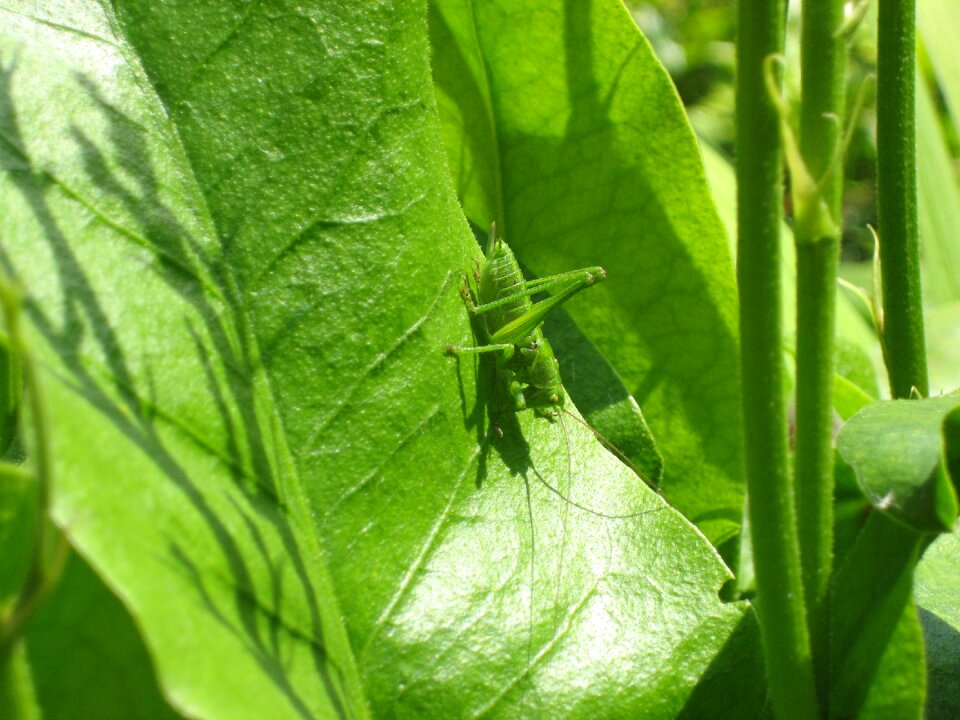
(49, 547)
(10, 391)
(823, 68)
(17, 698)
(779, 600)
(903, 337)
(36, 575)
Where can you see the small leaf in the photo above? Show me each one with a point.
(87, 657)
(17, 698)
(854, 380)
(937, 589)
(853, 363)
(812, 218)
(896, 449)
(875, 640)
(848, 398)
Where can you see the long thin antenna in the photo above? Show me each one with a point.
(533, 557)
(577, 505)
(566, 517)
(616, 451)
(566, 440)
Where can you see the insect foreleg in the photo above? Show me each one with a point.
(467, 294)
(505, 348)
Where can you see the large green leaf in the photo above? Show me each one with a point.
(172, 475)
(240, 247)
(563, 127)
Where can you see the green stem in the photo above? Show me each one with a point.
(37, 575)
(823, 59)
(903, 338)
(46, 561)
(10, 390)
(17, 700)
(779, 601)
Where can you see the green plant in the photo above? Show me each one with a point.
(239, 229)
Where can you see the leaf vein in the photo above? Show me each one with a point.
(377, 362)
(426, 549)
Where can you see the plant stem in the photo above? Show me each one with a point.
(17, 699)
(823, 59)
(37, 574)
(903, 337)
(779, 601)
(49, 548)
(10, 391)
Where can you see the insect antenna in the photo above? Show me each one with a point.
(566, 515)
(614, 449)
(567, 499)
(533, 556)
(533, 542)
(566, 441)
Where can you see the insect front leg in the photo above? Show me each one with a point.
(468, 294)
(506, 349)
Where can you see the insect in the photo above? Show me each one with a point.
(526, 364)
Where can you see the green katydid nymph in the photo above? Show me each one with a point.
(526, 363)
(512, 323)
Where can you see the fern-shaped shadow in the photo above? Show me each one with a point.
(194, 269)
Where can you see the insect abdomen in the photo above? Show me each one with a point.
(501, 277)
